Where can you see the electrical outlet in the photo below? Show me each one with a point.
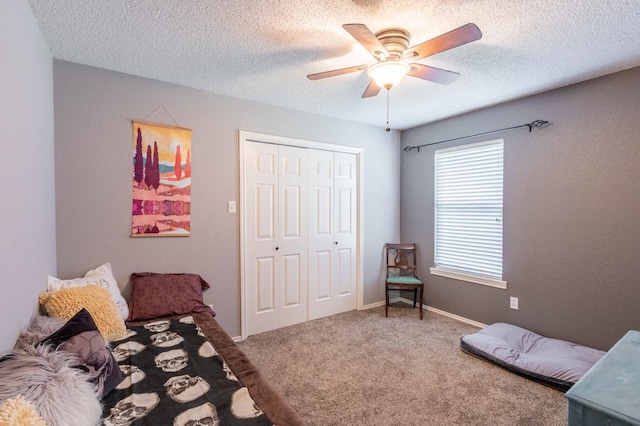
(513, 302)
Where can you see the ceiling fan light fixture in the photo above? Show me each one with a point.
(389, 73)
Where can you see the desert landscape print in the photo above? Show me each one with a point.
(161, 181)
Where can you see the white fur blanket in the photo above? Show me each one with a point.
(61, 393)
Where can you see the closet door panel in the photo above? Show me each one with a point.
(265, 284)
(323, 213)
(321, 220)
(265, 225)
(293, 240)
(345, 233)
(344, 214)
(261, 227)
(322, 276)
(332, 280)
(292, 281)
(344, 271)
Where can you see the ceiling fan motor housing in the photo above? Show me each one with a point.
(395, 40)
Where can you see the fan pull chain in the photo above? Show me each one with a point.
(388, 129)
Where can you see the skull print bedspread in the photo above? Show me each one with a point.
(174, 376)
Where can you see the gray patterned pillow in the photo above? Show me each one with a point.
(80, 336)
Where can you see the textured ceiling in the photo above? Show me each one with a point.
(263, 50)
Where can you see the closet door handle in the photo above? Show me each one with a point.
(335, 242)
(277, 248)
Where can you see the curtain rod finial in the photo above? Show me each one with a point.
(540, 124)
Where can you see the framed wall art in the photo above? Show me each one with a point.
(161, 181)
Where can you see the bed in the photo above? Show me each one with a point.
(553, 362)
(169, 363)
(193, 372)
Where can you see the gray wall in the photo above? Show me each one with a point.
(571, 211)
(27, 198)
(572, 228)
(93, 113)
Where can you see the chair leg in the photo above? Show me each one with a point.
(386, 305)
(421, 293)
(415, 293)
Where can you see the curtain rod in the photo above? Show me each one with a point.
(539, 124)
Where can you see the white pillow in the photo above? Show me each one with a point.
(101, 276)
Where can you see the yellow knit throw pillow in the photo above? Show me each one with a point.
(19, 412)
(95, 299)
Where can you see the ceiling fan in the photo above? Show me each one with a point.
(390, 49)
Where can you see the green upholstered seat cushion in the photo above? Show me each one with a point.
(394, 279)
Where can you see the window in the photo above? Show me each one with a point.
(468, 213)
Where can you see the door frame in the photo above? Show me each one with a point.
(246, 136)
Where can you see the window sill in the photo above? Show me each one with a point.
(491, 282)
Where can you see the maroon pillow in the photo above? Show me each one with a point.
(160, 295)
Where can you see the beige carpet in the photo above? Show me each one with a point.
(360, 368)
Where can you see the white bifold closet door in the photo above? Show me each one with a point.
(276, 234)
(332, 233)
(300, 234)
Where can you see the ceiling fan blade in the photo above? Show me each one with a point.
(366, 38)
(332, 73)
(454, 38)
(434, 74)
(372, 90)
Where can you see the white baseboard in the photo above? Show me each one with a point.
(441, 312)
(456, 317)
(373, 305)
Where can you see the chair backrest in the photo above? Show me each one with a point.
(401, 260)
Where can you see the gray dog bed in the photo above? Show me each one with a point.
(552, 362)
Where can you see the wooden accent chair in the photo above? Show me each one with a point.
(401, 273)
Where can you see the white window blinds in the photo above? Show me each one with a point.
(468, 210)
